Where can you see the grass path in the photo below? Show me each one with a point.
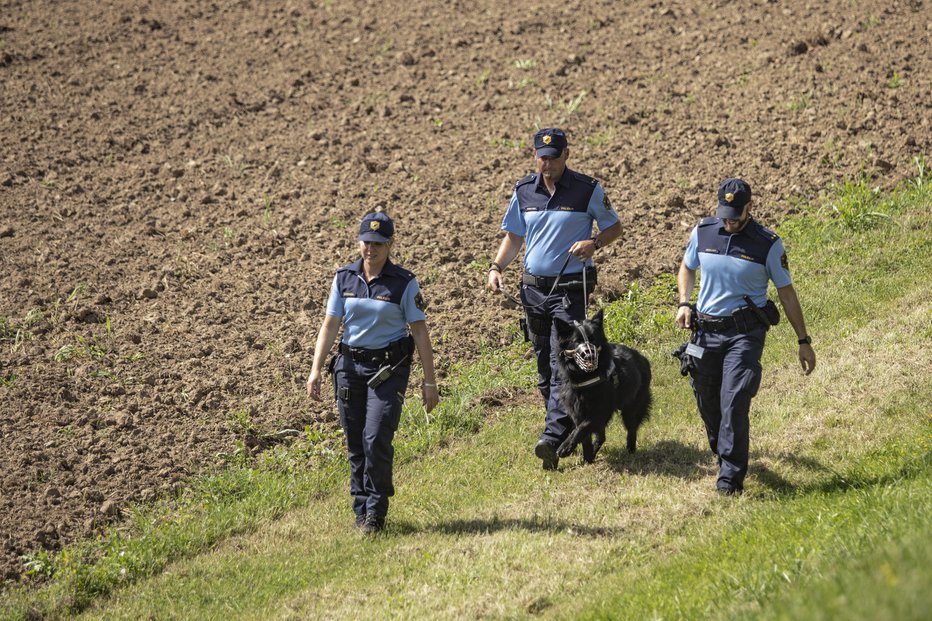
(840, 476)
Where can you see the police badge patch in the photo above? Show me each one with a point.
(784, 262)
(419, 301)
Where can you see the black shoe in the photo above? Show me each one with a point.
(548, 455)
(372, 524)
(360, 520)
(728, 491)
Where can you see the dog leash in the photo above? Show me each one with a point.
(556, 282)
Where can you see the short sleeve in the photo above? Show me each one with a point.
(513, 222)
(778, 267)
(335, 302)
(601, 209)
(691, 256)
(412, 303)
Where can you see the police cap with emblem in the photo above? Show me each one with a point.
(733, 195)
(549, 142)
(376, 227)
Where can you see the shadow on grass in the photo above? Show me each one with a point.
(493, 525)
(666, 458)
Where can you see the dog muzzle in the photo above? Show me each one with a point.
(586, 356)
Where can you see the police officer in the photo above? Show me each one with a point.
(737, 257)
(377, 302)
(551, 212)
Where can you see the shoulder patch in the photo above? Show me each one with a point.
(420, 302)
(526, 179)
(784, 262)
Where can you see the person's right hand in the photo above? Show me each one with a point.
(495, 280)
(683, 314)
(313, 385)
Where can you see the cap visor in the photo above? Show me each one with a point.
(372, 237)
(548, 152)
(728, 212)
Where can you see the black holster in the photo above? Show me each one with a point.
(537, 329)
(752, 316)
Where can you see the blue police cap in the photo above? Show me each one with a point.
(376, 227)
(549, 142)
(733, 195)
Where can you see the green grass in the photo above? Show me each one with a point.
(833, 524)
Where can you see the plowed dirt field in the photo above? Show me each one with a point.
(179, 180)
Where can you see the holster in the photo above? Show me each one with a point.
(538, 330)
(751, 316)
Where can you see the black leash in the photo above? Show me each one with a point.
(556, 282)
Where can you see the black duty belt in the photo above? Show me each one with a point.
(716, 324)
(391, 354)
(567, 281)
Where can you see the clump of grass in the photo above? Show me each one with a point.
(643, 314)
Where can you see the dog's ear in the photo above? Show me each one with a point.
(597, 318)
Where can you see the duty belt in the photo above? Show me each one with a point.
(391, 354)
(710, 323)
(567, 281)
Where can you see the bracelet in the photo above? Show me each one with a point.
(683, 304)
(495, 267)
(426, 385)
(598, 244)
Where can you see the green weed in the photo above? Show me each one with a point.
(800, 102)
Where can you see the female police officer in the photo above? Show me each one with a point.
(375, 299)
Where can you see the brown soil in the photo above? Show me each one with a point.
(179, 180)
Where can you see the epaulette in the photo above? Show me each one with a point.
(767, 233)
(399, 271)
(584, 178)
(526, 179)
(708, 221)
(355, 267)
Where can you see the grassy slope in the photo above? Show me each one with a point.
(833, 525)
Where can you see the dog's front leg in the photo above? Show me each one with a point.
(569, 445)
(588, 451)
(597, 444)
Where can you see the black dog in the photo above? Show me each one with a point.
(598, 379)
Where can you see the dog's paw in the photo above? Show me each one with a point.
(565, 450)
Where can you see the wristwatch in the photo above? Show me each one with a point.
(598, 244)
(495, 267)
(806, 340)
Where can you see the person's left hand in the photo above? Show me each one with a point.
(430, 395)
(807, 358)
(583, 249)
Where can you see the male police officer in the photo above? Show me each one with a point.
(737, 257)
(552, 211)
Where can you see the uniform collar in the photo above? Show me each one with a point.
(388, 269)
(748, 228)
(563, 182)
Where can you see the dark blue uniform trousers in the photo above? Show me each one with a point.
(568, 306)
(370, 418)
(725, 380)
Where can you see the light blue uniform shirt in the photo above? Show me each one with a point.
(375, 314)
(735, 265)
(551, 225)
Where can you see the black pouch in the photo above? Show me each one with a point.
(772, 312)
(685, 359)
(523, 325)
